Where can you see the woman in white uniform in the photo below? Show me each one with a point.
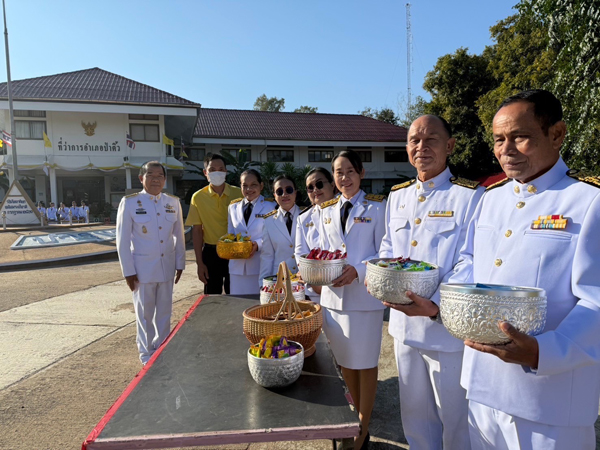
(320, 188)
(352, 318)
(246, 216)
(279, 236)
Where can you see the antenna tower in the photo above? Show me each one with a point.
(408, 53)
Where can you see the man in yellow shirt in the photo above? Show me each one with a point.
(208, 216)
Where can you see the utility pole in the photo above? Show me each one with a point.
(408, 54)
(10, 101)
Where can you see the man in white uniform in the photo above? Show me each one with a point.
(541, 392)
(426, 220)
(151, 250)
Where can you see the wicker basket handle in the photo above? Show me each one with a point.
(289, 302)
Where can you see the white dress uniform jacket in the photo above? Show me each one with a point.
(502, 248)
(365, 228)
(51, 213)
(150, 238)
(307, 237)
(427, 221)
(254, 229)
(278, 244)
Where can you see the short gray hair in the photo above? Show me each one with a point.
(147, 165)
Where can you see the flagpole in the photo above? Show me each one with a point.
(10, 101)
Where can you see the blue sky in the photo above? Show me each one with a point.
(339, 56)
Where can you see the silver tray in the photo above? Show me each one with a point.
(473, 311)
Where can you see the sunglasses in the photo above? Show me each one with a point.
(318, 185)
(289, 190)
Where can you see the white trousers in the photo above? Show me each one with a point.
(243, 284)
(153, 303)
(493, 429)
(433, 405)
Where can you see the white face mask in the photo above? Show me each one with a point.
(217, 178)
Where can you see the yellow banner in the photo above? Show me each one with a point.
(47, 142)
(167, 141)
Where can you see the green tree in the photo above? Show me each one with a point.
(240, 163)
(384, 114)
(273, 104)
(456, 83)
(408, 113)
(307, 109)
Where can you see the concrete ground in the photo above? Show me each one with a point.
(69, 351)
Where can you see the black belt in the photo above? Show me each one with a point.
(210, 245)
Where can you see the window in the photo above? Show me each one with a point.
(398, 155)
(143, 133)
(366, 185)
(320, 155)
(195, 153)
(365, 155)
(30, 129)
(280, 155)
(143, 117)
(26, 113)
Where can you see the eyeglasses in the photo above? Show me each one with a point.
(318, 185)
(289, 190)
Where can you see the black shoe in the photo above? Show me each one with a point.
(365, 444)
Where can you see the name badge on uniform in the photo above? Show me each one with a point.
(259, 216)
(362, 220)
(140, 211)
(551, 222)
(440, 214)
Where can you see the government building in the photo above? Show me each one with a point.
(101, 127)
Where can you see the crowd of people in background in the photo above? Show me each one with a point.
(64, 214)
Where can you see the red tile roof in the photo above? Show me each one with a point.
(90, 85)
(249, 124)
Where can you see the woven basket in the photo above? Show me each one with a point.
(261, 321)
(234, 250)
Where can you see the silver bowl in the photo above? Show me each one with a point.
(274, 373)
(389, 285)
(320, 273)
(265, 296)
(473, 311)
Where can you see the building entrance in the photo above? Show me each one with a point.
(90, 190)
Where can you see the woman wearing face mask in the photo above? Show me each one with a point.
(320, 188)
(246, 216)
(279, 235)
(353, 319)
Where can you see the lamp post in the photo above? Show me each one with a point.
(10, 100)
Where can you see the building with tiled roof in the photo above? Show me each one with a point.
(87, 116)
(303, 139)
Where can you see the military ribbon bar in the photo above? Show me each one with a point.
(551, 222)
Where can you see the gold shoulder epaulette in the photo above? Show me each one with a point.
(270, 199)
(403, 185)
(464, 182)
(132, 195)
(236, 200)
(333, 201)
(375, 198)
(584, 177)
(498, 184)
(308, 208)
(272, 213)
(170, 195)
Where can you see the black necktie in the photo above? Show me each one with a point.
(248, 212)
(345, 213)
(288, 222)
